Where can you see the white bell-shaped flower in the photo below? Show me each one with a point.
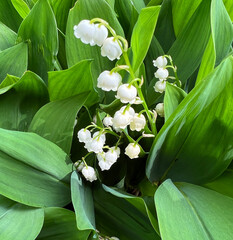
(79, 165)
(89, 173)
(138, 122)
(129, 109)
(111, 156)
(162, 74)
(104, 165)
(118, 151)
(101, 33)
(109, 81)
(111, 49)
(97, 135)
(121, 119)
(85, 31)
(159, 108)
(127, 93)
(84, 135)
(160, 86)
(132, 150)
(160, 62)
(107, 121)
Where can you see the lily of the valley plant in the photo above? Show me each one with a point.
(116, 120)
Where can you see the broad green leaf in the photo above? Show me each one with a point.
(61, 10)
(82, 200)
(59, 224)
(9, 16)
(30, 3)
(13, 61)
(111, 3)
(42, 38)
(220, 40)
(172, 98)
(189, 47)
(154, 2)
(182, 11)
(116, 216)
(142, 34)
(21, 7)
(55, 121)
(75, 49)
(201, 124)
(7, 37)
(33, 171)
(73, 81)
(192, 212)
(223, 184)
(19, 222)
(164, 31)
(138, 202)
(21, 100)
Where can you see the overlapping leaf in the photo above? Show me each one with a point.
(7, 37)
(33, 171)
(13, 61)
(59, 224)
(42, 38)
(56, 120)
(19, 222)
(195, 144)
(192, 212)
(20, 100)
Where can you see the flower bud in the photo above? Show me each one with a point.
(89, 173)
(111, 49)
(127, 93)
(85, 31)
(162, 74)
(138, 122)
(132, 150)
(101, 33)
(109, 81)
(107, 121)
(160, 62)
(160, 109)
(84, 135)
(79, 165)
(160, 86)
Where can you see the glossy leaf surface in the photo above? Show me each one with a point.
(33, 171)
(194, 145)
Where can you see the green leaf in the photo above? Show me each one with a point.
(223, 184)
(42, 38)
(13, 61)
(118, 217)
(164, 31)
(9, 16)
(137, 202)
(19, 222)
(55, 121)
(220, 40)
(142, 34)
(7, 37)
(189, 47)
(172, 98)
(193, 212)
(201, 124)
(75, 49)
(73, 81)
(33, 171)
(21, 100)
(83, 203)
(59, 224)
(182, 11)
(21, 7)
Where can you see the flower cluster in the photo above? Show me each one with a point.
(125, 120)
(97, 34)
